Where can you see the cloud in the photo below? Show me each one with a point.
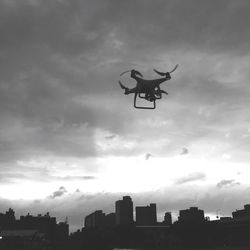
(199, 23)
(226, 156)
(72, 178)
(59, 75)
(47, 171)
(227, 183)
(191, 178)
(60, 192)
(184, 151)
(79, 56)
(110, 137)
(147, 156)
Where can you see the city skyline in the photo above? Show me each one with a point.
(142, 215)
(120, 229)
(71, 141)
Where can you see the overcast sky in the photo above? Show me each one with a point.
(71, 141)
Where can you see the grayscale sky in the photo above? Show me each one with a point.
(71, 141)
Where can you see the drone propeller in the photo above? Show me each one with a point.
(122, 86)
(135, 71)
(174, 68)
(125, 72)
(159, 73)
(163, 74)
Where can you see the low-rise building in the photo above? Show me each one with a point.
(243, 214)
(193, 214)
(146, 216)
(95, 220)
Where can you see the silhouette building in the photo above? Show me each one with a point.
(8, 219)
(110, 220)
(124, 211)
(146, 216)
(62, 230)
(243, 214)
(167, 219)
(193, 214)
(95, 220)
(44, 223)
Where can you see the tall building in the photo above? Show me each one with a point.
(167, 219)
(193, 214)
(124, 211)
(146, 216)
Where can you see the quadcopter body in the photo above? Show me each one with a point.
(147, 89)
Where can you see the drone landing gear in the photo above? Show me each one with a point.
(143, 107)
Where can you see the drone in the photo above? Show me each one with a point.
(146, 89)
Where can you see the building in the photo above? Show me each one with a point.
(22, 239)
(62, 231)
(167, 219)
(8, 219)
(146, 216)
(193, 214)
(243, 214)
(110, 220)
(124, 211)
(226, 219)
(43, 223)
(95, 220)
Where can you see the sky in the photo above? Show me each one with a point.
(71, 142)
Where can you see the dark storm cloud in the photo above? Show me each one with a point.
(53, 52)
(187, 24)
(36, 92)
(191, 178)
(59, 66)
(227, 183)
(73, 26)
(61, 25)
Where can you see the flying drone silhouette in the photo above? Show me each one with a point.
(146, 89)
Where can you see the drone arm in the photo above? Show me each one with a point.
(127, 90)
(135, 74)
(164, 92)
(122, 86)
